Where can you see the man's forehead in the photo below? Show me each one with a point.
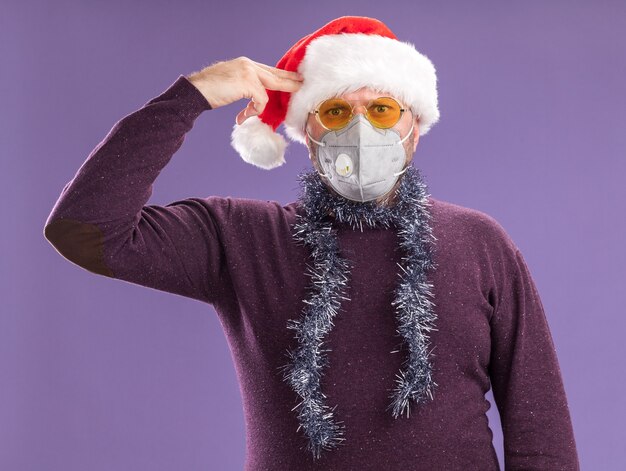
(365, 93)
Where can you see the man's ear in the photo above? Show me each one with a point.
(416, 134)
(308, 145)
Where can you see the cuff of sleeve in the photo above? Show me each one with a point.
(190, 102)
(196, 95)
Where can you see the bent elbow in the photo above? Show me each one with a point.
(80, 243)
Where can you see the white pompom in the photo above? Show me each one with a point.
(258, 144)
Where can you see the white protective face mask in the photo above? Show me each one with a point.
(361, 162)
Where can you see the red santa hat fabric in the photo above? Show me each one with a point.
(346, 54)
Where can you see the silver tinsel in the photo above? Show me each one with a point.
(329, 277)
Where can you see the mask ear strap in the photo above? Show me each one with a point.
(408, 134)
(403, 139)
(321, 144)
(326, 175)
(400, 173)
(329, 176)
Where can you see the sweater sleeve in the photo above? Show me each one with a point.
(526, 378)
(101, 221)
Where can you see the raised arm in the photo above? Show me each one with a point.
(101, 221)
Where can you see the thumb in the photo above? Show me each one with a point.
(246, 113)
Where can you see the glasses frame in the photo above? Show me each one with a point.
(316, 111)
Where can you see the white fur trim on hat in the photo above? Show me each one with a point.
(258, 144)
(343, 63)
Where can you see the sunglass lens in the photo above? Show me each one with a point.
(335, 113)
(384, 112)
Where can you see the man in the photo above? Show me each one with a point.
(365, 280)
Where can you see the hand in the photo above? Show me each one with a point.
(225, 82)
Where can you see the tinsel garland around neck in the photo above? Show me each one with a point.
(329, 277)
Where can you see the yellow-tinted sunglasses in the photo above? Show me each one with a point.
(335, 113)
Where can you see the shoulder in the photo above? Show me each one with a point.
(475, 238)
(470, 225)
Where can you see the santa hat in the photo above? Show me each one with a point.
(344, 55)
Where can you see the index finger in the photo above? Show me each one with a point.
(281, 72)
(272, 82)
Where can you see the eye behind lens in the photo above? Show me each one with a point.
(335, 113)
(384, 112)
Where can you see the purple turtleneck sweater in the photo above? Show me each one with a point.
(239, 256)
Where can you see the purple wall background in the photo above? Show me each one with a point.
(99, 374)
